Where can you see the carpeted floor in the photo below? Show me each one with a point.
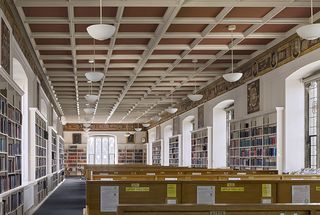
(68, 199)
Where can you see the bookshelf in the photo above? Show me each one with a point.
(253, 143)
(61, 152)
(39, 146)
(54, 181)
(75, 158)
(10, 134)
(132, 153)
(175, 150)
(157, 153)
(52, 149)
(41, 190)
(12, 204)
(201, 144)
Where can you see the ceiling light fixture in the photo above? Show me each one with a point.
(156, 118)
(101, 31)
(195, 96)
(94, 76)
(146, 125)
(310, 31)
(137, 129)
(171, 109)
(233, 76)
(88, 110)
(91, 99)
(86, 125)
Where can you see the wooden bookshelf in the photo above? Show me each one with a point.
(157, 153)
(132, 153)
(53, 142)
(201, 148)
(253, 143)
(175, 150)
(75, 158)
(10, 135)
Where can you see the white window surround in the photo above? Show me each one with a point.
(102, 149)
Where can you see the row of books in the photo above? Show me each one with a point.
(3, 143)
(14, 181)
(199, 162)
(41, 151)
(3, 106)
(41, 161)
(41, 142)
(16, 200)
(41, 171)
(199, 141)
(3, 163)
(14, 149)
(199, 134)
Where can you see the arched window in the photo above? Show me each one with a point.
(102, 150)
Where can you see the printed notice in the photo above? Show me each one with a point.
(206, 195)
(266, 190)
(300, 193)
(109, 198)
(171, 190)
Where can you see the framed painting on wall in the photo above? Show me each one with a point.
(76, 138)
(253, 96)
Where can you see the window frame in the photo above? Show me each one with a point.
(93, 144)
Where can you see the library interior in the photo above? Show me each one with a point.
(160, 107)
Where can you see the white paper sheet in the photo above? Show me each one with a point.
(109, 198)
(206, 195)
(300, 193)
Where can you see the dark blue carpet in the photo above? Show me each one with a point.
(68, 199)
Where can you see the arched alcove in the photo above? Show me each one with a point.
(21, 79)
(187, 127)
(295, 117)
(44, 108)
(167, 133)
(219, 134)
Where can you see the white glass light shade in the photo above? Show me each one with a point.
(138, 129)
(156, 118)
(91, 98)
(146, 125)
(195, 97)
(88, 118)
(171, 110)
(232, 77)
(309, 32)
(127, 134)
(86, 125)
(131, 132)
(94, 76)
(88, 110)
(63, 120)
(101, 31)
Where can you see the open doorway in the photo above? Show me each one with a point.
(187, 127)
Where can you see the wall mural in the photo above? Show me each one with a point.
(5, 47)
(201, 116)
(100, 127)
(253, 96)
(176, 125)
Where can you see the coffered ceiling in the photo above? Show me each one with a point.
(150, 56)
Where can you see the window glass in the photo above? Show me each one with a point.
(101, 150)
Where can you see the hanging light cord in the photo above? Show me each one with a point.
(311, 19)
(94, 55)
(195, 82)
(232, 51)
(100, 11)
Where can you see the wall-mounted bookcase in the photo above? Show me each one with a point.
(61, 152)
(38, 144)
(157, 153)
(75, 158)
(132, 153)
(52, 149)
(253, 143)
(12, 204)
(201, 148)
(10, 136)
(175, 152)
(41, 190)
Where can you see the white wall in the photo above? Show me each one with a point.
(277, 89)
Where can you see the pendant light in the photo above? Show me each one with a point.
(93, 75)
(310, 31)
(88, 110)
(146, 125)
(233, 76)
(156, 118)
(138, 128)
(101, 31)
(171, 109)
(127, 134)
(86, 125)
(195, 96)
(91, 98)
